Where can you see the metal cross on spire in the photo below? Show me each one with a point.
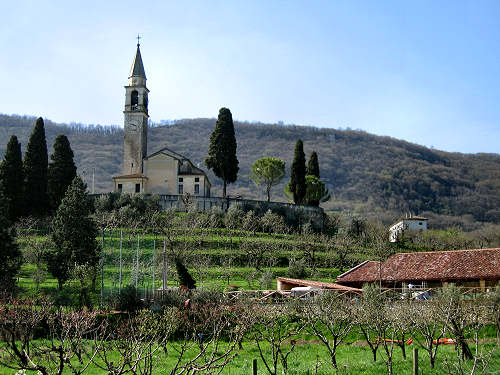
(138, 39)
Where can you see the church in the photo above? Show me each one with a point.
(162, 172)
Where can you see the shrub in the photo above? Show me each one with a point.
(273, 223)
(216, 217)
(250, 222)
(266, 280)
(297, 269)
(128, 300)
(234, 217)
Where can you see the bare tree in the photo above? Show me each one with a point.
(330, 318)
(275, 327)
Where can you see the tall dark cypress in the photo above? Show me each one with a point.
(222, 150)
(298, 174)
(12, 176)
(61, 172)
(35, 169)
(10, 255)
(313, 165)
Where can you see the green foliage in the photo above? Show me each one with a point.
(61, 171)
(234, 216)
(269, 171)
(313, 165)
(74, 233)
(10, 255)
(297, 185)
(12, 177)
(128, 300)
(222, 151)
(315, 191)
(297, 269)
(183, 274)
(35, 169)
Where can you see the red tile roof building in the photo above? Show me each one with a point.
(475, 268)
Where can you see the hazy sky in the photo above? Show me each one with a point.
(424, 71)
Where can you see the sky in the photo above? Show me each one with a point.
(424, 71)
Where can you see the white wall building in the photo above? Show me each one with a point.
(410, 223)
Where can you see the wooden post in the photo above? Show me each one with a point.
(102, 269)
(254, 367)
(120, 280)
(415, 361)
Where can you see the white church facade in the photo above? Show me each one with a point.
(162, 172)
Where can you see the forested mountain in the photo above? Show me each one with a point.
(365, 173)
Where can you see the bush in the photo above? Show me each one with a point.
(128, 299)
(234, 216)
(273, 223)
(250, 222)
(297, 269)
(216, 217)
(266, 280)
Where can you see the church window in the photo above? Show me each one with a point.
(196, 179)
(197, 189)
(181, 179)
(134, 99)
(137, 188)
(181, 189)
(120, 187)
(145, 101)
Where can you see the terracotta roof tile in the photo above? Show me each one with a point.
(435, 265)
(318, 284)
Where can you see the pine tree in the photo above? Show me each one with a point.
(183, 274)
(12, 176)
(10, 255)
(74, 233)
(222, 151)
(61, 171)
(35, 169)
(313, 165)
(297, 185)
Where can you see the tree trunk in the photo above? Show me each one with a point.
(268, 193)
(224, 191)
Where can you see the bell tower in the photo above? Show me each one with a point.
(135, 132)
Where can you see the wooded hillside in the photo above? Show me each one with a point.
(365, 173)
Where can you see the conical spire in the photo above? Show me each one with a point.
(137, 69)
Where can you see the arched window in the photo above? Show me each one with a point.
(135, 98)
(145, 101)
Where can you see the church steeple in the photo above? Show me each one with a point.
(137, 69)
(136, 117)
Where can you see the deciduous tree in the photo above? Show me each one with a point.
(269, 171)
(222, 150)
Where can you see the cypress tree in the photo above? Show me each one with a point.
(183, 274)
(313, 165)
(35, 169)
(10, 255)
(222, 150)
(61, 171)
(297, 183)
(74, 233)
(12, 176)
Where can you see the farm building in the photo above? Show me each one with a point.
(477, 268)
(287, 284)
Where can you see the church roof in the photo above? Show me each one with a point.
(137, 69)
(186, 167)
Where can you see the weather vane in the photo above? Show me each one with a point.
(138, 39)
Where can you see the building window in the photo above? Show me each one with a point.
(137, 188)
(181, 179)
(196, 179)
(134, 100)
(419, 223)
(120, 187)
(181, 189)
(197, 189)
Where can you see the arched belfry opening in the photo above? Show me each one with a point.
(134, 99)
(145, 101)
